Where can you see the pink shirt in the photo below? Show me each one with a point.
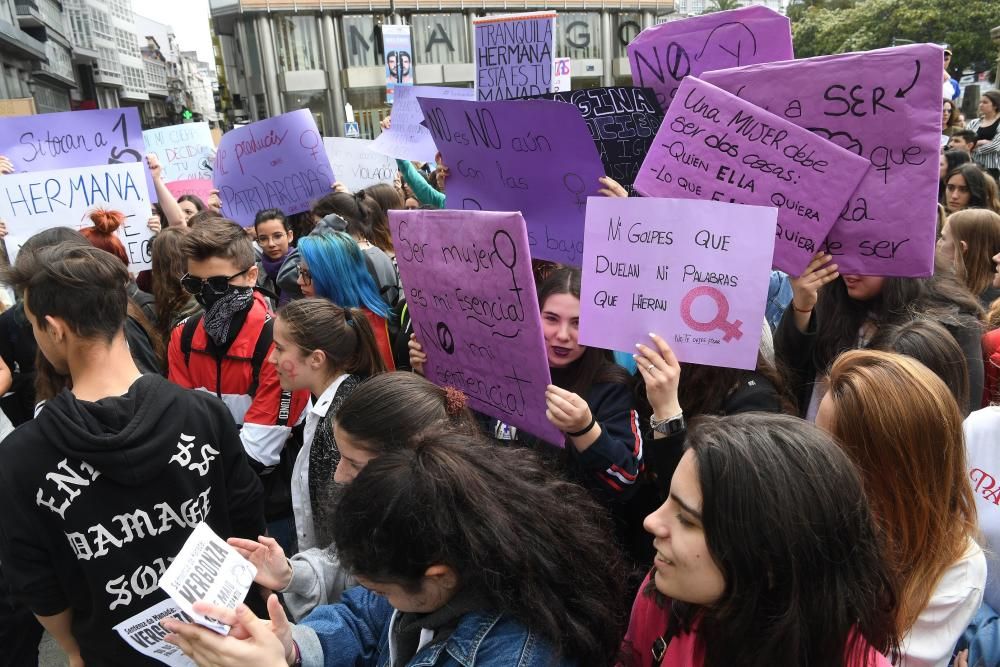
(648, 623)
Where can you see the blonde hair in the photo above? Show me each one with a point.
(900, 424)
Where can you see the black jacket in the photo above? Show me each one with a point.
(99, 497)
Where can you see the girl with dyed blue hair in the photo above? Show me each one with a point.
(333, 267)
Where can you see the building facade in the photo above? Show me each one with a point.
(283, 55)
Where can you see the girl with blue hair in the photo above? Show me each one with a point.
(333, 267)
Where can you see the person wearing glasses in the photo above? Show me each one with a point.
(278, 263)
(224, 352)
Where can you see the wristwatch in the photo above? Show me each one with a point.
(669, 426)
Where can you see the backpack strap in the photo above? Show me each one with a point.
(187, 336)
(260, 351)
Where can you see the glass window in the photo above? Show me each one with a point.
(107, 61)
(49, 100)
(625, 27)
(298, 42)
(315, 101)
(59, 59)
(440, 38)
(101, 24)
(578, 35)
(363, 40)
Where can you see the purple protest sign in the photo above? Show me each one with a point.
(471, 294)
(533, 156)
(884, 106)
(695, 272)
(74, 139)
(514, 55)
(664, 54)
(275, 163)
(713, 145)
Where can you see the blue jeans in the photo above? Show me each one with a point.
(982, 638)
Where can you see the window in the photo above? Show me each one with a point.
(298, 42)
(107, 61)
(578, 35)
(625, 27)
(134, 79)
(363, 40)
(440, 38)
(60, 61)
(81, 28)
(49, 100)
(101, 24)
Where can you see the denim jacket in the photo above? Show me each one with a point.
(355, 632)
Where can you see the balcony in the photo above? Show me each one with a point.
(106, 78)
(29, 15)
(20, 42)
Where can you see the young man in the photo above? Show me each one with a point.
(103, 487)
(225, 351)
(964, 140)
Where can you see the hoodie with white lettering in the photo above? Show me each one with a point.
(98, 497)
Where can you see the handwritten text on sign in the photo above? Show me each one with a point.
(695, 272)
(622, 122)
(275, 163)
(533, 156)
(31, 202)
(74, 139)
(884, 106)
(356, 164)
(514, 55)
(185, 151)
(663, 55)
(408, 138)
(471, 294)
(714, 145)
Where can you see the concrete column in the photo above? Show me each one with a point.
(647, 20)
(607, 50)
(335, 92)
(269, 65)
(250, 103)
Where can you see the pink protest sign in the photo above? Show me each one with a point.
(713, 145)
(884, 106)
(279, 162)
(199, 187)
(532, 156)
(693, 271)
(471, 294)
(661, 56)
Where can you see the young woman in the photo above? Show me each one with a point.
(901, 426)
(361, 212)
(382, 415)
(278, 265)
(190, 205)
(590, 398)
(331, 266)
(767, 554)
(968, 186)
(987, 151)
(830, 313)
(968, 242)
(462, 563)
(328, 350)
(173, 303)
(387, 199)
(949, 161)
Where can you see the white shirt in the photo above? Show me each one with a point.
(301, 504)
(982, 452)
(955, 601)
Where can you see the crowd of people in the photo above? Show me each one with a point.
(836, 505)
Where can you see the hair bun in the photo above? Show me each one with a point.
(455, 401)
(107, 222)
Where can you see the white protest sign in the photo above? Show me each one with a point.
(356, 164)
(185, 151)
(561, 75)
(407, 138)
(33, 201)
(144, 633)
(208, 569)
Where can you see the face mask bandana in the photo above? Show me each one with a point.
(220, 309)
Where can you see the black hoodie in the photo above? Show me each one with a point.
(99, 497)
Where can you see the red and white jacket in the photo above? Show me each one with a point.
(267, 417)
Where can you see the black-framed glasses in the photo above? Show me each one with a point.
(307, 277)
(217, 284)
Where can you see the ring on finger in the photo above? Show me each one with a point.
(651, 368)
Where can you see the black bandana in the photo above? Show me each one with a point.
(219, 315)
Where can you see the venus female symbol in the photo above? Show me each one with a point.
(721, 319)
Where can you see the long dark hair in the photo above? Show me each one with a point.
(387, 198)
(953, 159)
(169, 264)
(343, 334)
(787, 522)
(389, 409)
(839, 318)
(596, 365)
(534, 546)
(356, 209)
(982, 187)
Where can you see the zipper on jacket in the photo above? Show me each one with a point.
(218, 376)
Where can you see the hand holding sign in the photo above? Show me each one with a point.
(662, 374)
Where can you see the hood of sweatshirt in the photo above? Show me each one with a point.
(129, 438)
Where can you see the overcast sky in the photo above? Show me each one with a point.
(189, 19)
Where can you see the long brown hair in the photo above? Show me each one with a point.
(387, 198)
(979, 229)
(169, 264)
(343, 334)
(902, 427)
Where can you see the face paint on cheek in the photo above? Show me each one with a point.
(288, 369)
